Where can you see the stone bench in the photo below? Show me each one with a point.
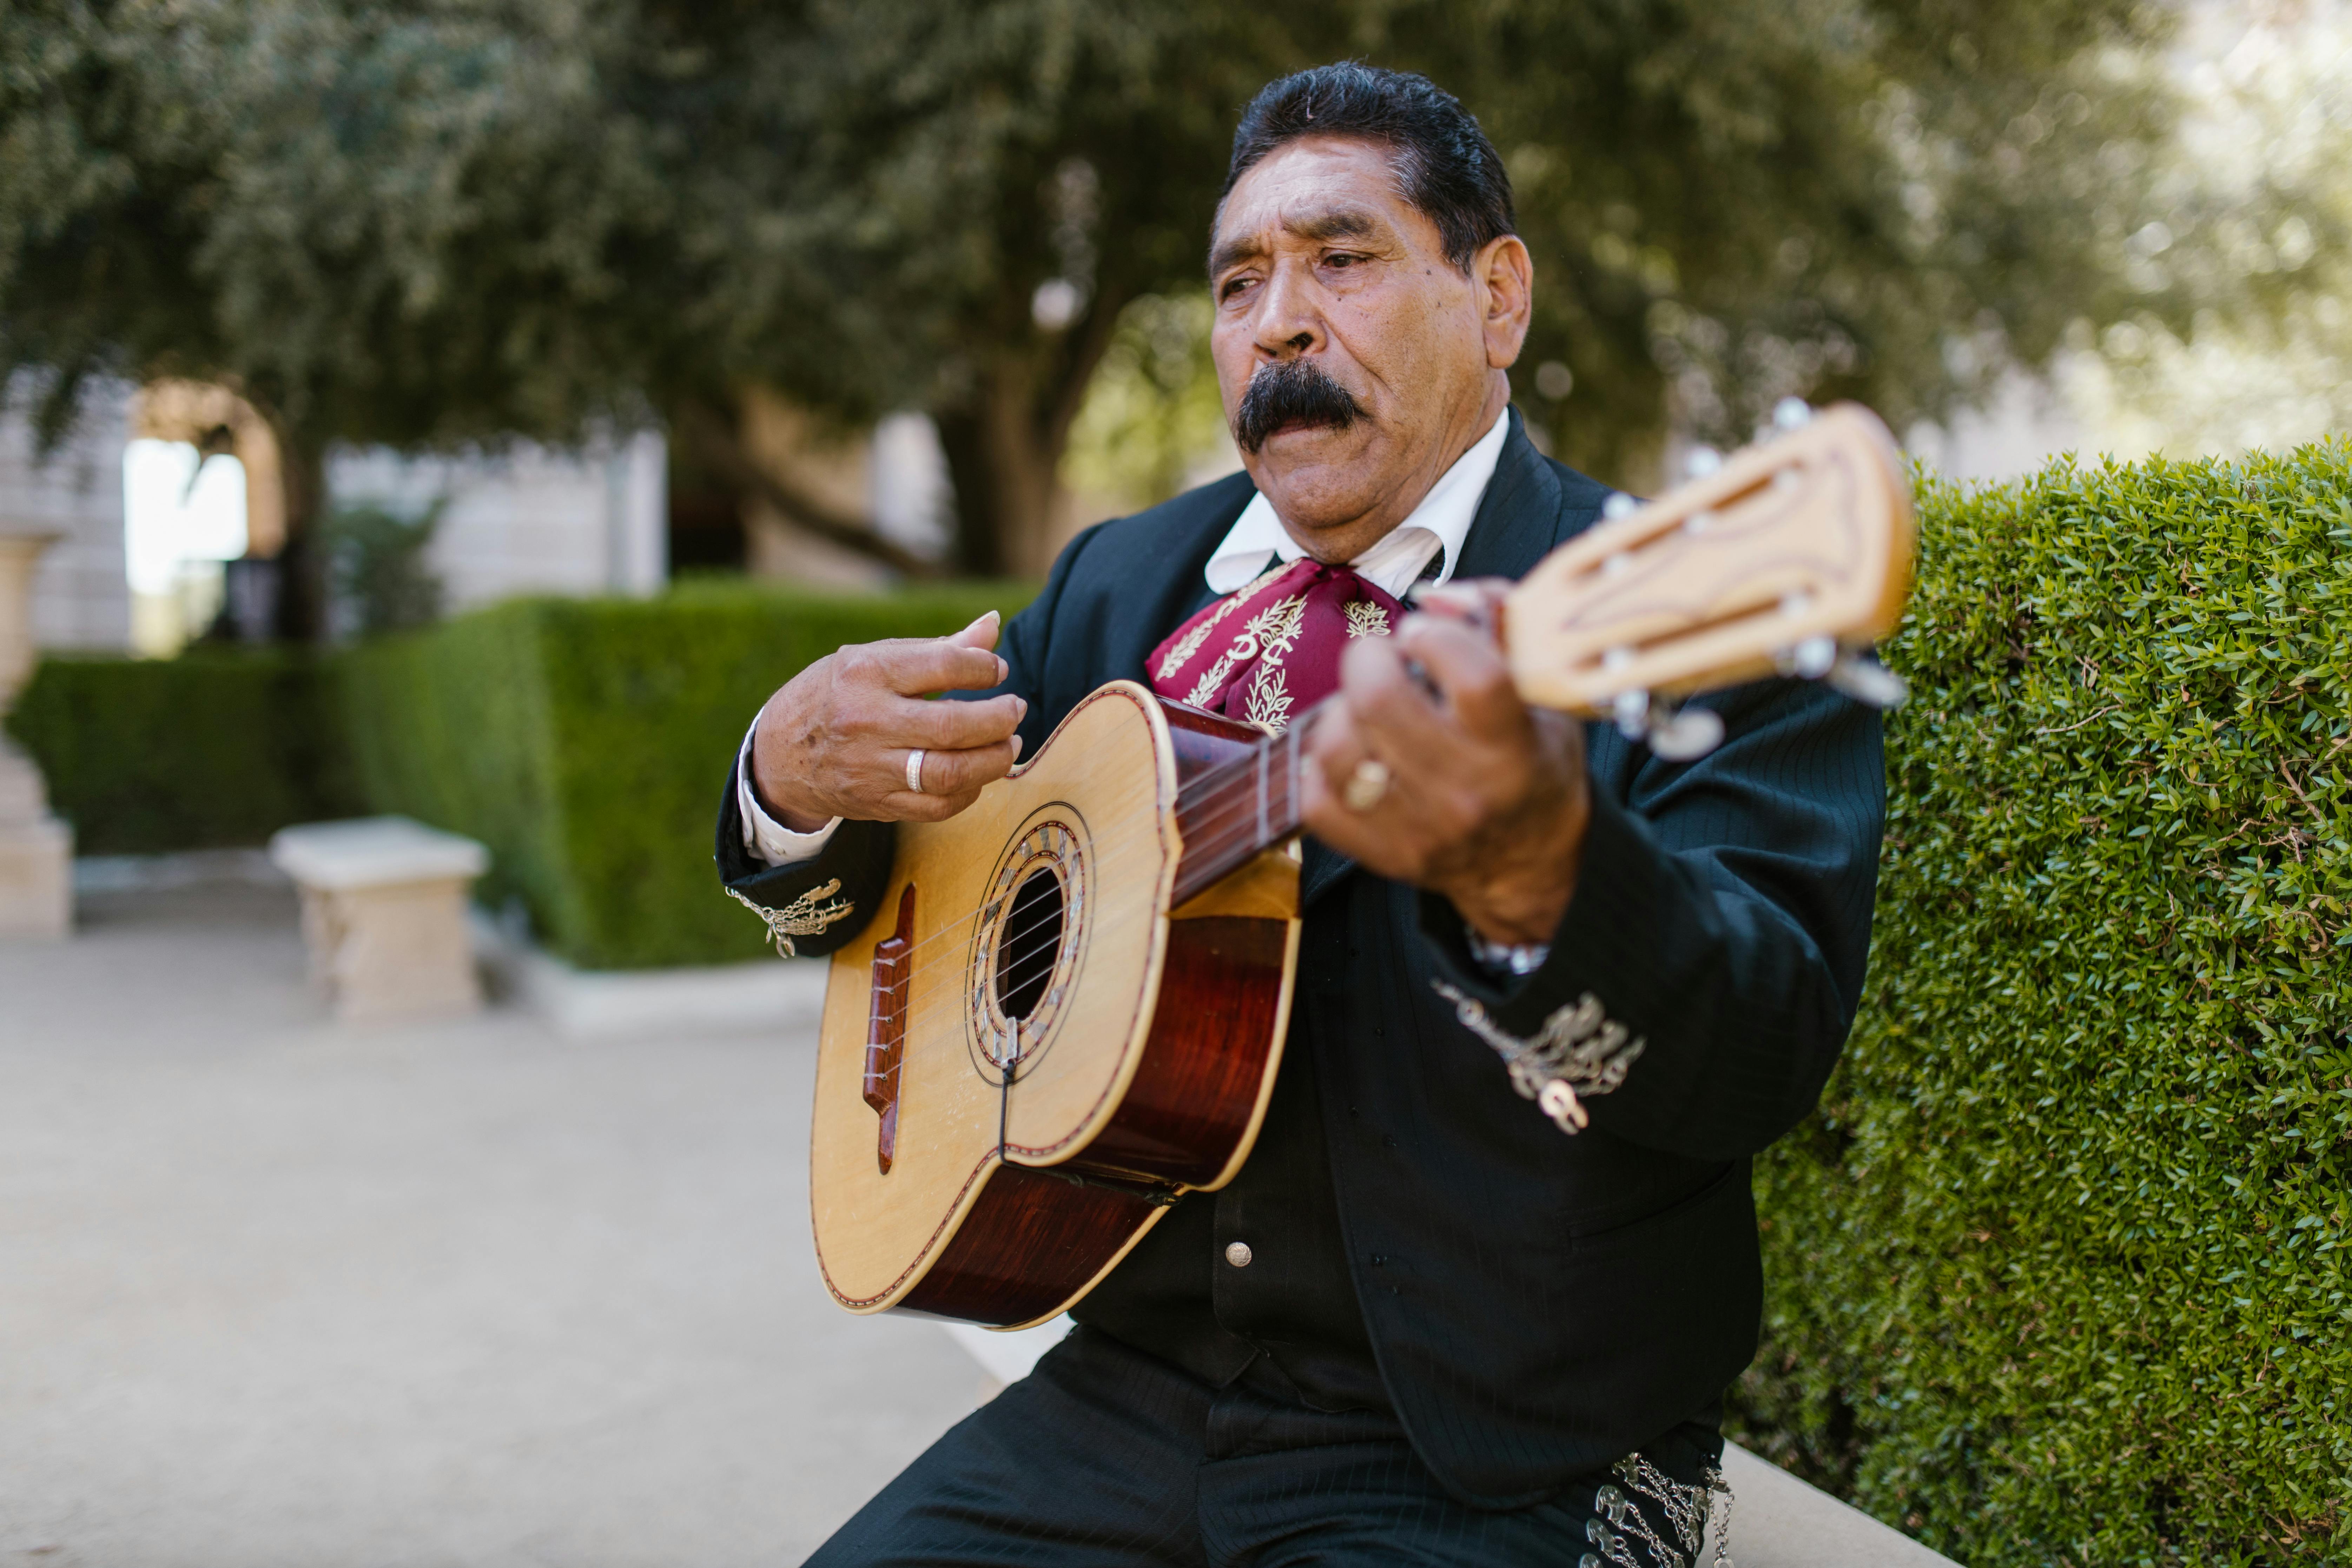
(384, 914)
(1776, 1520)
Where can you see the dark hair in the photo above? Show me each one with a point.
(1444, 165)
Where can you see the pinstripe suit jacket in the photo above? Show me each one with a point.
(1539, 1303)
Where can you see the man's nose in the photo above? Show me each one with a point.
(1288, 324)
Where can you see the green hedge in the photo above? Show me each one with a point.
(2060, 1273)
(207, 750)
(586, 741)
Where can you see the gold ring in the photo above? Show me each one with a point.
(1367, 784)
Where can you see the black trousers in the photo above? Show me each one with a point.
(1106, 1457)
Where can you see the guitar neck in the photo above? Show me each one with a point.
(1237, 810)
(1775, 560)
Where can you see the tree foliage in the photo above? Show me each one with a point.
(464, 219)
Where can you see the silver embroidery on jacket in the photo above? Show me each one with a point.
(807, 915)
(1580, 1052)
(1688, 1512)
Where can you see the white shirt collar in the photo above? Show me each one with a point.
(1437, 526)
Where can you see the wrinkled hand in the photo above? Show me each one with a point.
(833, 742)
(1486, 800)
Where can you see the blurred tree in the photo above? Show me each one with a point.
(376, 224)
(2268, 130)
(462, 219)
(1730, 204)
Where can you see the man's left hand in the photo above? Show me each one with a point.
(1486, 800)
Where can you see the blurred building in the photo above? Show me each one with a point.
(154, 490)
(530, 520)
(81, 598)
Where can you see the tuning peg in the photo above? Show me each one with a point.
(1866, 680)
(1689, 734)
(1618, 504)
(1673, 735)
(1631, 710)
(1702, 461)
(1810, 660)
(1792, 413)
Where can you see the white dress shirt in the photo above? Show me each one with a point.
(1435, 529)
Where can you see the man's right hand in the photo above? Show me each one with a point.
(833, 741)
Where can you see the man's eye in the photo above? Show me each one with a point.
(1234, 286)
(1341, 258)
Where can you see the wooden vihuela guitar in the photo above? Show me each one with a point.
(1071, 1004)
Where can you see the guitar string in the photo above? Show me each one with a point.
(1044, 961)
(1242, 779)
(1235, 778)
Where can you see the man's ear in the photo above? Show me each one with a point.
(1506, 275)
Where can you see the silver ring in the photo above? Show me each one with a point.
(915, 770)
(1367, 784)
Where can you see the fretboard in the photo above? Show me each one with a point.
(1236, 809)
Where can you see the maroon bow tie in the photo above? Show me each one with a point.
(1270, 649)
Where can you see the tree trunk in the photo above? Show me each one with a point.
(712, 436)
(1004, 444)
(302, 560)
(1005, 483)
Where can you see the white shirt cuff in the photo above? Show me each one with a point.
(763, 837)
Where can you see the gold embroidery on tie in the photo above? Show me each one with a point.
(807, 915)
(1275, 628)
(1190, 646)
(1367, 619)
(1580, 1053)
(1204, 690)
(1193, 640)
(1268, 705)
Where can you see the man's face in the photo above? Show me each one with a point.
(1318, 257)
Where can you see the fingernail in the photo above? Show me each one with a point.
(1003, 671)
(1016, 748)
(1021, 705)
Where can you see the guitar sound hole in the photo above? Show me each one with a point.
(1032, 942)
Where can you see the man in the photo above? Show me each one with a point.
(1427, 1322)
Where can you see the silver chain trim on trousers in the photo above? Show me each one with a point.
(807, 915)
(1688, 1511)
(1580, 1052)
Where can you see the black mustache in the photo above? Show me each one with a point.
(1291, 392)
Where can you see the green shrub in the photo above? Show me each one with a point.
(213, 747)
(586, 742)
(2058, 1274)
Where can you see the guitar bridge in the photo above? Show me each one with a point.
(886, 1028)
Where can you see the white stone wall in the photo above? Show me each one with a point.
(530, 519)
(80, 598)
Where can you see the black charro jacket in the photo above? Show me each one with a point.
(1538, 1304)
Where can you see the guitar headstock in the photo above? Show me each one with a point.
(1790, 556)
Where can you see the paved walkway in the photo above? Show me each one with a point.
(275, 1292)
